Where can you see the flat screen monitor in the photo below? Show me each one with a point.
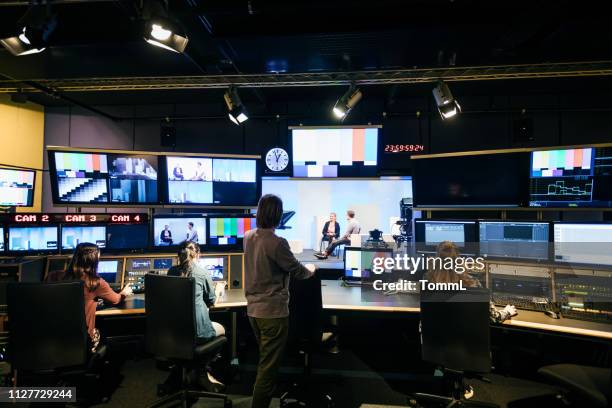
(17, 188)
(109, 270)
(229, 231)
(493, 180)
(79, 177)
(206, 181)
(583, 243)
(430, 233)
(37, 239)
(358, 262)
(172, 231)
(73, 235)
(215, 265)
(335, 152)
(127, 236)
(509, 239)
(132, 179)
(162, 264)
(140, 265)
(571, 178)
(1, 239)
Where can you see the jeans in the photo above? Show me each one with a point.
(271, 335)
(330, 249)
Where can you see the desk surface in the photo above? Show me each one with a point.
(338, 297)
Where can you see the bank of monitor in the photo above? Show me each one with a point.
(16, 187)
(127, 236)
(430, 233)
(73, 235)
(571, 178)
(335, 152)
(216, 265)
(169, 231)
(583, 243)
(208, 181)
(33, 238)
(228, 232)
(515, 240)
(358, 262)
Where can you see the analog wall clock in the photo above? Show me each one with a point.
(277, 159)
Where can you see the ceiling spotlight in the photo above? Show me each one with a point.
(160, 30)
(236, 110)
(447, 104)
(347, 102)
(32, 34)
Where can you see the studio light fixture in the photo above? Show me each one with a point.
(32, 33)
(162, 31)
(347, 102)
(236, 110)
(447, 104)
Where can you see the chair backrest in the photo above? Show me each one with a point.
(305, 311)
(170, 311)
(455, 329)
(47, 325)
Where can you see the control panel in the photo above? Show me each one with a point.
(526, 287)
(584, 294)
(137, 267)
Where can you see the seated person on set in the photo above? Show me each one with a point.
(447, 249)
(353, 228)
(165, 237)
(84, 266)
(205, 297)
(331, 230)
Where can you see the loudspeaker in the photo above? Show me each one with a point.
(235, 273)
(522, 130)
(168, 135)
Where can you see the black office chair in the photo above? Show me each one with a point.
(48, 339)
(171, 334)
(589, 386)
(305, 336)
(455, 335)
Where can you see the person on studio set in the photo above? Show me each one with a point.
(353, 228)
(269, 264)
(331, 230)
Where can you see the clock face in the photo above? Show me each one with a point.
(277, 159)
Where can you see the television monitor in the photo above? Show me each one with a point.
(491, 180)
(79, 178)
(1, 239)
(335, 152)
(228, 231)
(429, 233)
(17, 188)
(571, 178)
(110, 270)
(358, 262)
(215, 265)
(133, 179)
(72, 235)
(510, 239)
(235, 182)
(32, 238)
(162, 263)
(583, 243)
(172, 231)
(127, 236)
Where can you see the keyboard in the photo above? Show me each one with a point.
(538, 304)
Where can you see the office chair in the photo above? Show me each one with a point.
(171, 334)
(48, 338)
(455, 335)
(591, 386)
(305, 336)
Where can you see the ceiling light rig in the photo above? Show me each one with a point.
(32, 33)
(162, 31)
(347, 102)
(447, 104)
(236, 110)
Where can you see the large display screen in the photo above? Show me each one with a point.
(429, 234)
(127, 236)
(212, 181)
(335, 152)
(583, 243)
(75, 235)
(32, 239)
(509, 239)
(229, 231)
(172, 231)
(571, 178)
(16, 188)
(494, 180)
(132, 179)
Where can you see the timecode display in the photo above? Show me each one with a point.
(404, 148)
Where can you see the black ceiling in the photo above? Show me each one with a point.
(103, 38)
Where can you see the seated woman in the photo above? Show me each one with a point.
(205, 297)
(331, 230)
(84, 266)
(447, 249)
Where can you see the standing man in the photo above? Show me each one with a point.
(353, 228)
(269, 264)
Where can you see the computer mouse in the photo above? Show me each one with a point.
(551, 314)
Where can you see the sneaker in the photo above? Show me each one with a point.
(469, 392)
(320, 255)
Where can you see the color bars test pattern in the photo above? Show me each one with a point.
(557, 163)
(226, 231)
(77, 164)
